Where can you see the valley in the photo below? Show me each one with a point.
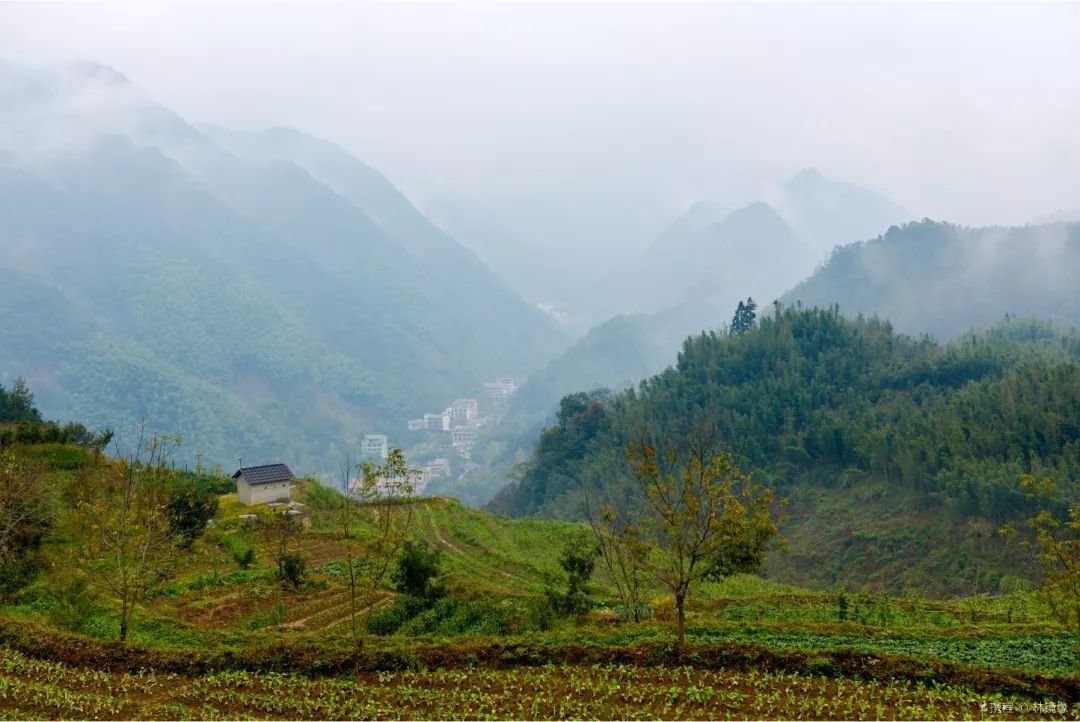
(539, 361)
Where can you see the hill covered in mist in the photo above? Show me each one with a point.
(260, 293)
(939, 278)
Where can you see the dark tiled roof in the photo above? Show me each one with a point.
(265, 474)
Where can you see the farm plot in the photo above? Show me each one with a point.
(31, 689)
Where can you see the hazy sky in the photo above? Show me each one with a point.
(615, 117)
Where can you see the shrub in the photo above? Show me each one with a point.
(292, 570)
(16, 573)
(391, 620)
(578, 561)
(268, 619)
(540, 614)
(244, 557)
(664, 608)
(453, 615)
(841, 606)
(190, 509)
(417, 572)
(71, 606)
(239, 546)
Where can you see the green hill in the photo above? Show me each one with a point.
(901, 457)
(257, 293)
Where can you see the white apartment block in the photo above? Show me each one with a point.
(463, 411)
(375, 446)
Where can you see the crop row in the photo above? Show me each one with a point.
(30, 689)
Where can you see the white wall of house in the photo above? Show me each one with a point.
(262, 493)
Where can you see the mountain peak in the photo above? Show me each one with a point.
(89, 70)
(757, 209)
(805, 178)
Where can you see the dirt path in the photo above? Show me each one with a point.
(368, 608)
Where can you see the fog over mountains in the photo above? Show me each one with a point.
(260, 291)
(266, 291)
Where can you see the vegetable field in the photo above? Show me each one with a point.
(31, 689)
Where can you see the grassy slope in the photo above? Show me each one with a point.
(878, 535)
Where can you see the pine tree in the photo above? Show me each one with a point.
(744, 318)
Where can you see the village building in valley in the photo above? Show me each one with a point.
(263, 484)
(375, 446)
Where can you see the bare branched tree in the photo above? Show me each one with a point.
(281, 534)
(622, 553)
(378, 496)
(24, 511)
(128, 546)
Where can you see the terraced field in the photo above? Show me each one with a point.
(800, 658)
(500, 555)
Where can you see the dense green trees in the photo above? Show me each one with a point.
(18, 403)
(811, 399)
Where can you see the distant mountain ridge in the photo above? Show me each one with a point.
(260, 293)
(698, 270)
(827, 213)
(939, 278)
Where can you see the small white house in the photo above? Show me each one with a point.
(263, 484)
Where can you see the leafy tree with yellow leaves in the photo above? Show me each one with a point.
(704, 517)
(1057, 544)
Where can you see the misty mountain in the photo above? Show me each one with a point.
(716, 253)
(828, 213)
(510, 247)
(938, 278)
(710, 258)
(256, 292)
(698, 266)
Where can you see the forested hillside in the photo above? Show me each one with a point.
(939, 278)
(257, 293)
(901, 456)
